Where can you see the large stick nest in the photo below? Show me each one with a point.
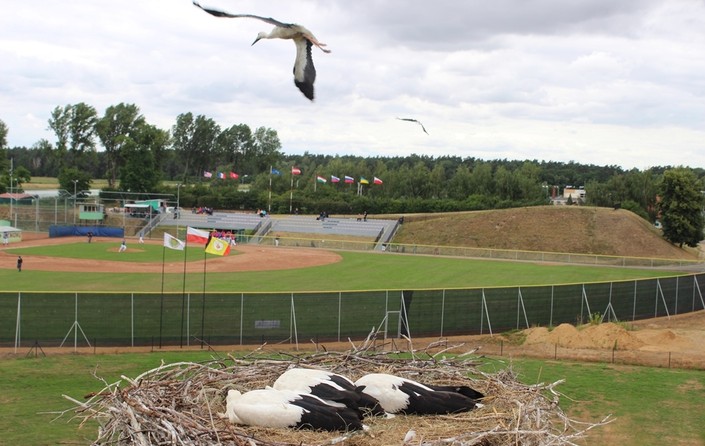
(178, 404)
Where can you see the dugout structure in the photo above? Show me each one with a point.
(13, 234)
(183, 319)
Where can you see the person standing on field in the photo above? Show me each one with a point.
(19, 263)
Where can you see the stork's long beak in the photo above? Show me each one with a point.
(256, 40)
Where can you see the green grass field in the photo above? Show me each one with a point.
(357, 271)
(651, 406)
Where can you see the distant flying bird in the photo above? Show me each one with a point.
(304, 71)
(416, 121)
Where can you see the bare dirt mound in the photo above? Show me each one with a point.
(585, 230)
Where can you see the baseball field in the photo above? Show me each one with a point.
(33, 384)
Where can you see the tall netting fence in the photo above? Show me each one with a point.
(184, 319)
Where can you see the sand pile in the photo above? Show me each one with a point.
(602, 336)
(612, 336)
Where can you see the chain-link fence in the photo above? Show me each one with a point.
(41, 214)
(139, 319)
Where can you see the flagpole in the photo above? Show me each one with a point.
(203, 300)
(183, 300)
(161, 299)
(269, 205)
(291, 193)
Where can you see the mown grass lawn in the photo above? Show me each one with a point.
(357, 271)
(650, 406)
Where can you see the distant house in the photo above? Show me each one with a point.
(17, 198)
(575, 194)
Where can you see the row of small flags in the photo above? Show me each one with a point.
(333, 179)
(348, 180)
(221, 175)
(214, 245)
(296, 171)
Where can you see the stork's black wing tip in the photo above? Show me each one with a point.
(306, 89)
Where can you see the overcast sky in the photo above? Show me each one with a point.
(606, 82)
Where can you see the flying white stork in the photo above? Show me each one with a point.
(416, 121)
(284, 408)
(400, 395)
(304, 71)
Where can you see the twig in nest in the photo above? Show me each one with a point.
(178, 404)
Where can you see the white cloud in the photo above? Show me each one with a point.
(594, 81)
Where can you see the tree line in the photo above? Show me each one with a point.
(140, 157)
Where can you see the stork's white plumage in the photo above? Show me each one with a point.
(304, 71)
(328, 386)
(416, 121)
(400, 395)
(287, 409)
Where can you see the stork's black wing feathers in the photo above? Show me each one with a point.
(219, 13)
(463, 390)
(423, 401)
(324, 417)
(306, 84)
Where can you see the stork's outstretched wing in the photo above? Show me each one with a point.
(219, 13)
(416, 121)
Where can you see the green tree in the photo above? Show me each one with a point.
(232, 145)
(14, 180)
(459, 185)
(59, 123)
(74, 179)
(194, 141)
(3, 135)
(115, 129)
(265, 151)
(682, 207)
(74, 126)
(3, 144)
(43, 159)
(140, 172)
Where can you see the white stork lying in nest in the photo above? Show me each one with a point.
(329, 386)
(401, 395)
(287, 409)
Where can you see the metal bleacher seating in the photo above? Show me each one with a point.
(218, 220)
(377, 229)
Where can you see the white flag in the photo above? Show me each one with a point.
(194, 235)
(172, 242)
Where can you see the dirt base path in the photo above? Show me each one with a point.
(242, 258)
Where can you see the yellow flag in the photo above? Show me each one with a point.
(218, 247)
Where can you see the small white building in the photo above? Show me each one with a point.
(575, 193)
(9, 233)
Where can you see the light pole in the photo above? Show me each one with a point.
(12, 172)
(176, 210)
(11, 197)
(75, 183)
